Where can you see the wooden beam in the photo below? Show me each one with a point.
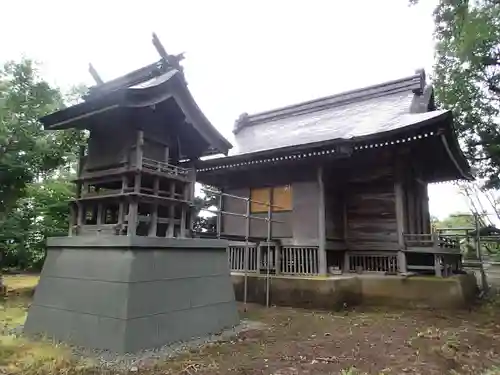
(95, 75)
(321, 223)
(159, 47)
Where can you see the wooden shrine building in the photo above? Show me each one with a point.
(348, 175)
(130, 273)
(141, 125)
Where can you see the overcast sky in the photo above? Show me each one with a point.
(241, 56)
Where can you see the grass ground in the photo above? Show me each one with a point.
(296, 342)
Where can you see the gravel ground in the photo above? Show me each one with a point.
(105, 359)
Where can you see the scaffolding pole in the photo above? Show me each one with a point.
(247, 235)
(247, 215)
(268, 252)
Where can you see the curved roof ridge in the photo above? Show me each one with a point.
(415, 83)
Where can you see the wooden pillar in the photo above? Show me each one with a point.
(137, 183)
(437, 265)
(132, 218)
(411, 213)
(81, 161)
(72, 219)
(79, 215)
(400, 218)
(153, 222)
(100, 210)
(345, 230)
(321, 223)
(166, 157)
(347, 265)
(426, 220)
(124, 183)
(139, 150)
(121, 213)
(171, 210)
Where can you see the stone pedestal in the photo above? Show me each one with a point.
(125, 293)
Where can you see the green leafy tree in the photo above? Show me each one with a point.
(27, 152)
(42, 213)
(205, 221)
(467, 78)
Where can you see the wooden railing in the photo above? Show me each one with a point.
(296, 260)
(291, 260)
(163, 167)
(236, 254)
(431, 241)
(367, 262)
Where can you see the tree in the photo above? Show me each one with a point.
(467, 78)
(42, 213)
(27, 152)
(205, 221)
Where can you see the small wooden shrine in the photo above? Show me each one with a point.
(140, 127)
(129, 276)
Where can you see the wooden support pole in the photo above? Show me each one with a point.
(153, 223)
(321, 223)
(137, 183)
(437, 265)
(400, 220)
(171, 213)
(182, 232)
(79, 215)
(426, 219)
(167, 156)
(124, 183)
(72, 219)
(121, 213)
(81, 160)
(100, 211)
(347, 265)
(139, 149)
(132, 218)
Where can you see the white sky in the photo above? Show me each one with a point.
(241, 56)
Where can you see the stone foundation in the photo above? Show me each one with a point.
(334, 292)
(125, 294)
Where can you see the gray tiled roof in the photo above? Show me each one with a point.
(376, 109)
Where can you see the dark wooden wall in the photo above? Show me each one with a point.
(370, 210)
(360, 204)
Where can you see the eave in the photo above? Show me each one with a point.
(168, 85)
(433, 127)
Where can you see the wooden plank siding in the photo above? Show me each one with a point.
(371, 215)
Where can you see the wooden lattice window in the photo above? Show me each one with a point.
(281, 197)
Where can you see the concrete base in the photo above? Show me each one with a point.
(125, 294)
(334, 292)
